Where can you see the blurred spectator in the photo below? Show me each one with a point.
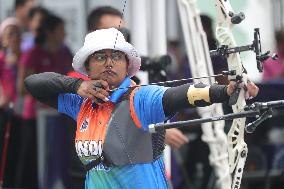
(10, 53)
(49, 54)
(35, 17)
(274, 69)
(105, 17)
(9, 56)
(22, 9)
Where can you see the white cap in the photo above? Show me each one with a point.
(106, 39)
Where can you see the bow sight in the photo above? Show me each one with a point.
(224, 50)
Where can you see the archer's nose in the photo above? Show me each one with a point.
(109, 62)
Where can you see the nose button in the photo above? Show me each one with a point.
(109, 62)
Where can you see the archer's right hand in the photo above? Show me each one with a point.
(96, 90)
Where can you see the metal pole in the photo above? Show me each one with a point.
(139, 26)
(158, 28)
(159, 48)
(139, 37)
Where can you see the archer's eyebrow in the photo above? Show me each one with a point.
(102, 51)
(114, 51)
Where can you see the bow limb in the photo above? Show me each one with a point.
(237, 147)
(200, 64)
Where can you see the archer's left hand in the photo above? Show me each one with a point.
(251, 89)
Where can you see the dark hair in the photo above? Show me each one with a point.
(279, 36)
(36, 10)
(206, 22)
(49, 23)
(19, 3)
(94, 17)
(208, 29)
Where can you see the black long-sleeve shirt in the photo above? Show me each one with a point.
(46, 87)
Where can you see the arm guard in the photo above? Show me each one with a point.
(192, 95)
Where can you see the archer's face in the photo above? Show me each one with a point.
(108, 65)
(110, 21)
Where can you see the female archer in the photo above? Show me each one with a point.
(113, 114)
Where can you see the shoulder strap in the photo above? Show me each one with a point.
(126, 95)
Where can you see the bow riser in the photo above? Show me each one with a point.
(237, 147)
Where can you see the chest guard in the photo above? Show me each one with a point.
(126, 144)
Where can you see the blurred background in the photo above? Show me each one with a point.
(37, 144)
